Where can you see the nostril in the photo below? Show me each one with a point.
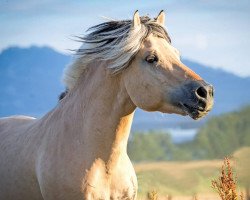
(201, 92)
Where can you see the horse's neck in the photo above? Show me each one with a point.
(100, 112)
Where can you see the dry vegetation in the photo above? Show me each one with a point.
(226, 185)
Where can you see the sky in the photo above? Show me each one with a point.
(212, 32)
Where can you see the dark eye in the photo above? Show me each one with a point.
(152, 58)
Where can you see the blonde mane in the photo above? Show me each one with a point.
(113, 41)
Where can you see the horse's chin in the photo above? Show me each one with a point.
(185, 110)
(193, 112)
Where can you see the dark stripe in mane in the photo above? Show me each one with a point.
(112, 32)
(115, 41)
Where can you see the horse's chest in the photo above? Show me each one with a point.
(103, 184)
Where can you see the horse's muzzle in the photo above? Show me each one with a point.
(196, 98)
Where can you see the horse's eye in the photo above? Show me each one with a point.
(151, 58)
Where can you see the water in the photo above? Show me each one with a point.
(182, 135)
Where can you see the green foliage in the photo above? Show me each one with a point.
(219, 137)
(155, 146)
(222, 135)
(150, 146)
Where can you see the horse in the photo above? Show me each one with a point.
(78, 150)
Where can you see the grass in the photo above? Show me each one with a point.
(177, 180)
(171, 179)
(194, 180)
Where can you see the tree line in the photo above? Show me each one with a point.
(219, 137)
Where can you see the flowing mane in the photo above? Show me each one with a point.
(113, 41)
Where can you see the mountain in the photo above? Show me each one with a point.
(30, 85)
(30, 80)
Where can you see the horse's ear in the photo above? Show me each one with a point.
(63, 94)
(160, 19)
(136, 20)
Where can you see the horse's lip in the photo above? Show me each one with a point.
(194, 112)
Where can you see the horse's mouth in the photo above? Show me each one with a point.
(195, 112)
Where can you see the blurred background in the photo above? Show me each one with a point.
(173, 155)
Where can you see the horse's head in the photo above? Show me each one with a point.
(140, 51)
(157, 80)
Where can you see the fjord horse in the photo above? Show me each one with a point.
(79, 149)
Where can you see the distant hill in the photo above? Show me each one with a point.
(30, 80)
(30, 85)
(222, 135)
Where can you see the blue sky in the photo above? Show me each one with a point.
(213, 32)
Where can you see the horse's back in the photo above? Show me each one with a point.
(16, 159)
(16, 119)
(12, 127)
(13, 122)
